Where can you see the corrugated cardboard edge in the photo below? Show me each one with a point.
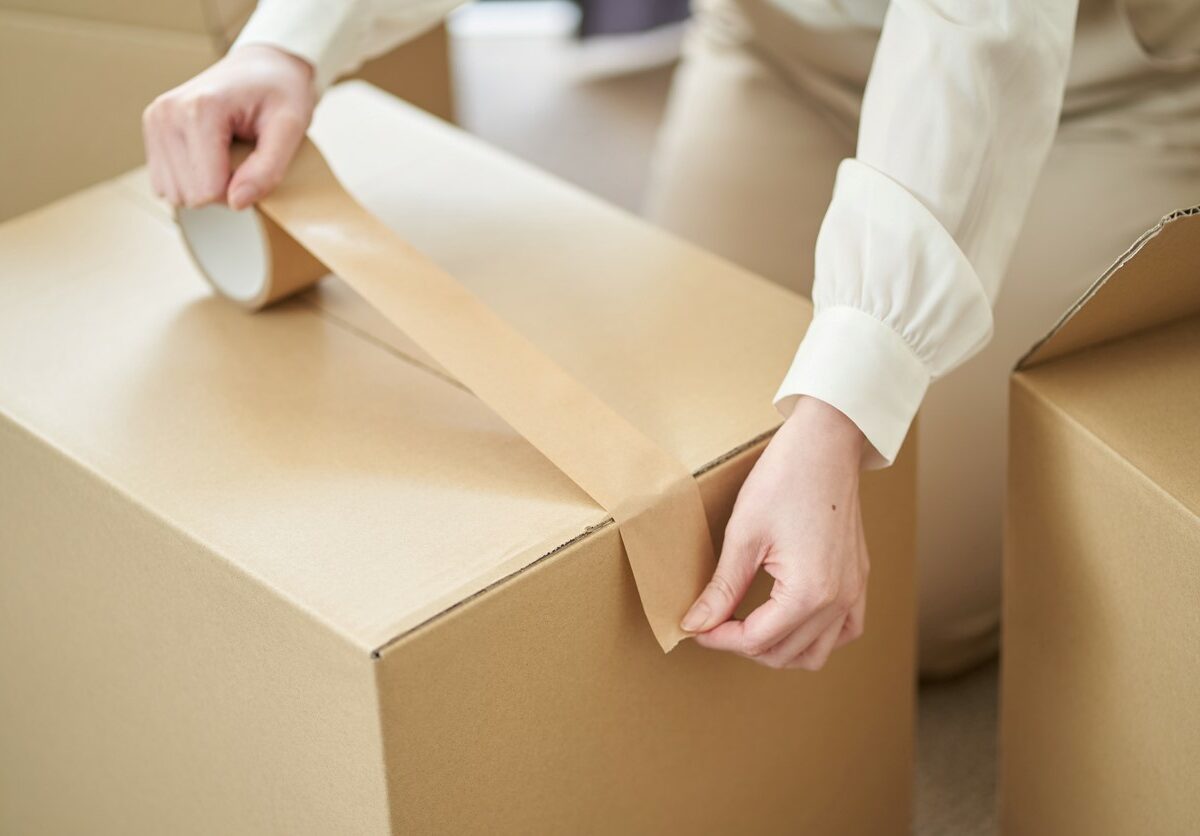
(1054, 344)
(753, 446)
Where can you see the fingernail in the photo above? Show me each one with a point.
(242, 196)
(696, 617)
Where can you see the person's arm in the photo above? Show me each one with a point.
(958, 116)
(264, 90)
(335, 37)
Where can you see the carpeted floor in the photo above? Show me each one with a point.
(956, 756)
(589, 114)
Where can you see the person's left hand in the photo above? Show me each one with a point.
(797, 517)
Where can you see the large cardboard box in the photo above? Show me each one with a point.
(1100, 717)
(75, 76)
(274, 573)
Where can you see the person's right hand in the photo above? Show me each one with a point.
(256, 93)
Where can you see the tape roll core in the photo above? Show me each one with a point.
(246, 256)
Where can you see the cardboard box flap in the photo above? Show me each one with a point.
(302, 446)
(1157, 280)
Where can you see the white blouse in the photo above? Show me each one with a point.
(958, 116)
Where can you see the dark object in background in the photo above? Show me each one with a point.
(620, 17)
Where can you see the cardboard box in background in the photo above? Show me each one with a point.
(273, 573)
(1100, 704)
(75, 76)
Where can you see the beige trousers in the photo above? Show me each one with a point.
(762, 110)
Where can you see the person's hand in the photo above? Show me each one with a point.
(255, 93)
(797, 517)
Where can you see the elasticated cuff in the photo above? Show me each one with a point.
(321, 32)
(861, 367)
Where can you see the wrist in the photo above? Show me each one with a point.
(278, 56)
(835, 430)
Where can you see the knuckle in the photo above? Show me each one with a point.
(159, 111)
(719, 587)
(847, 596)
(289, 120)
(734, 534)
(757, 646)
(812, 661)
(200, 104)
(166, 105)
(755, 649)
(821, 592)
(271, 177)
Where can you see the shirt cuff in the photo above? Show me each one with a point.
(864, 369)
(326, 34)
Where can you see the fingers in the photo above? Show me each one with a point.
(205, 152)
(855, 623)
(187, 147)
(795, 630)
(739, 562)
(157, 156)
(769, 624)
(279, 135)
(800, 650)
(817, 654)
(256, 92)
(771, 635)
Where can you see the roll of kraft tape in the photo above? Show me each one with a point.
(310, 226)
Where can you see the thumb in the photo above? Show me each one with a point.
(278, 138)
(735, 571)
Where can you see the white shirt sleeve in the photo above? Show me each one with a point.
(958, 116)
(337, 36)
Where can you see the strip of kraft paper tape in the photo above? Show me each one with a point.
(310, 226)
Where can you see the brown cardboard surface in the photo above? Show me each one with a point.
(1102, 557)
(150, 687)
(1140, 397)
(266, 573)
(617, 738)
(1098, 707)
(72, 92)
(218, 19)
(418, 72)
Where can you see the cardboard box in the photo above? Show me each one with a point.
(220, 19)
(273, 573)
(75, 76)
(1100, 712)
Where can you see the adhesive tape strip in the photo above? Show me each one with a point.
(311, 226)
